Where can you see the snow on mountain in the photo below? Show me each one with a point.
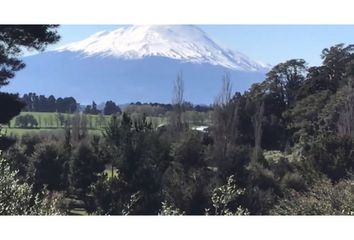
(137, 63)
(186, 43)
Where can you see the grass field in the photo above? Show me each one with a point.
(51, 123)
(52, 119)
(52, 131)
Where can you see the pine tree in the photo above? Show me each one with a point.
(13, 40)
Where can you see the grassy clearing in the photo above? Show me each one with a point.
(51, 120)
(50, 123)
(78, 212)
(108, 171)
(44, 131)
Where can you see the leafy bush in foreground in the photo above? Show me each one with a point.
(16, 198)
(324, 198)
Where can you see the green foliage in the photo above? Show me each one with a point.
(263, 184)
(13, 40)
(26, 121)
(47, 167)
(293, 181)
(111, 108)
(139, 155)
(170, 210)
(29, 143)
(323, 198)
(84, 168)
(9, 106)
(41, 103)
(189, 151)
(129, 208)
(17, 198)
(332, 155)
(109, 195)
(18, 161)
(304, 117)
(262, 176)
(235, 161)
(285, 80)
(186, 180)
(224, 199)
(338, 60)
(92, 109)
(179, 186)
(52, 122)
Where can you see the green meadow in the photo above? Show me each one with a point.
(51, 122)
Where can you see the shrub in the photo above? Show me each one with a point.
(17, 198)
(225, 198)
(26, 121)
(333, 156)
(323, 198)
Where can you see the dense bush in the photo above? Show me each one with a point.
(84, 168)
(323, 198)
(26, 121)
(17, 198)
(333, 156)
(46, 167)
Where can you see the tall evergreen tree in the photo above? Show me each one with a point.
(13, 40)
(111, 108)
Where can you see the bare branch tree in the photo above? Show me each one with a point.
(177, 102)
(79, 126)
(178, 90)
(224, 96)
(225, 115)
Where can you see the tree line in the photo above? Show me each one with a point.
(41, 103)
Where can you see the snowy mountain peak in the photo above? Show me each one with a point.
(182, 42)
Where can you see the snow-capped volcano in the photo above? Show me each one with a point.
(186, 43)
(138, 63)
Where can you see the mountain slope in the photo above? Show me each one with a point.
(186, 43)
(137, 63)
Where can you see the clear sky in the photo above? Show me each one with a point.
(268, 43)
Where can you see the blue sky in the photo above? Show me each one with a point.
(268, 43)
